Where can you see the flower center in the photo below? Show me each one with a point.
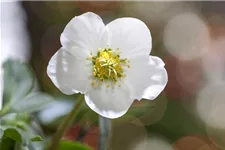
(108, 66)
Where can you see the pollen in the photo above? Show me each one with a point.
(108, 66)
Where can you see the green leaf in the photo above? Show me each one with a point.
(27, 128)
(37, 138)
(67, 145)
(7, 144)
(32, 103)
(18, 80)
(13, 134)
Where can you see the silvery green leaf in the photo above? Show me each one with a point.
(18, 80)
(20, 146)
(32, 102)
(14, 119)
(55, 110)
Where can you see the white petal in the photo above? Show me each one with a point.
(146, 77)
(69, 74)
(108, 102)
(130, 35)
(85, 33)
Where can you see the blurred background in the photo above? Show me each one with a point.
(189, 36)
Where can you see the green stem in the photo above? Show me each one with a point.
(65, 124)
(105, 129)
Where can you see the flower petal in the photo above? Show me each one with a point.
(108, 102)
(69, 74)
(130, 35)
(146, 77)
(85, 33)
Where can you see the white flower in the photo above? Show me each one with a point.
(110, 63)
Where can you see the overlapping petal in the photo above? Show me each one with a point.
(84, 34)
(69, 74)
(146, 78)
(130, 35)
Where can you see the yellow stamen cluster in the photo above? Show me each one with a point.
(108, 66)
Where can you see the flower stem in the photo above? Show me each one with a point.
(105, 129)
(65, 124)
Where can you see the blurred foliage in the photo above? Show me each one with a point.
(68, 145)
(19, 127)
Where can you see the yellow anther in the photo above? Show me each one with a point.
(108, 66)
(108, 86)
(119, 85)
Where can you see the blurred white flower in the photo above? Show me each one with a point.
(110, 63)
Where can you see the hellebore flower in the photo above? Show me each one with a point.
(109, 64)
